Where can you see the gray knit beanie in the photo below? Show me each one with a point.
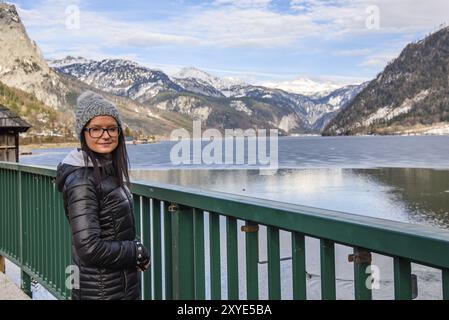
(90, 105)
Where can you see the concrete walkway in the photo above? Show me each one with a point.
(9, 291)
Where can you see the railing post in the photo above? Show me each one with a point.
(251, 230)
(145, 229)
(299, 266)
(138, 221)
(168, 253)
(232, 258)
(183, 254)
(21, 227)
(402, 279)
(156, 255)
(26, 283)
(214, 254)
(274, 264)
(362, 261)
(445, 277)
(328, 286)
(200, 281)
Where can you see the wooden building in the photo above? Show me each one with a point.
(10, 127)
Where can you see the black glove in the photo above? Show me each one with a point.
(142, 255)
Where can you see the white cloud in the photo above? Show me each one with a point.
(395, 15)
(378, 61)
(340, 80)
(304, 86)
(243, 3)
(231, 27)
(352, 52)
(49, 18)
(313, 84)
(248, 23)
(240, 23)
(223, 26)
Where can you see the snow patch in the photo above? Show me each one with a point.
(335, 101)
(389, 113)
(381, 113)
(439, 130)
(240, 106)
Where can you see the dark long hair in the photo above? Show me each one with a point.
(119, 157)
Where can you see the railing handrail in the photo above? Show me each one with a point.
(419, 243)
(422, 244)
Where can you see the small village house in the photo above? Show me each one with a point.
(10, 127)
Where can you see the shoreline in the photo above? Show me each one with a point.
(26, 148)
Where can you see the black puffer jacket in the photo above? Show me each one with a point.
(101, 218)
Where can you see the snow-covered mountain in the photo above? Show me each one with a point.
(216, 82)
(69, 60)
(341, 97)
(198, 86)
(315, 110)
(311, 108)
(121, 77)
(194, 93)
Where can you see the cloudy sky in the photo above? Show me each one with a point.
(258, 41)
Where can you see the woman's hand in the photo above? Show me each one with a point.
(143, 257)
(145, 268)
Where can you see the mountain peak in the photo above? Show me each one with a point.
(21, 63)
(192, 72)
(120, 63)
(8, 13)
(120, 77)
(219, 83)
(68, 60)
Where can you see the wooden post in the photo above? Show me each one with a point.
(2, 264)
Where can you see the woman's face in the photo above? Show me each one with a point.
(108, 141)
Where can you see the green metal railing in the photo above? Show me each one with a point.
(172, 220)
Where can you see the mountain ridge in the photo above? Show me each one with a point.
(290, 112)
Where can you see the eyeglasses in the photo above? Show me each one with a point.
(97, 133)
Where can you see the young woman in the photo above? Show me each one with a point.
(94, 182)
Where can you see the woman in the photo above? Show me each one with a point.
(94, 182)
